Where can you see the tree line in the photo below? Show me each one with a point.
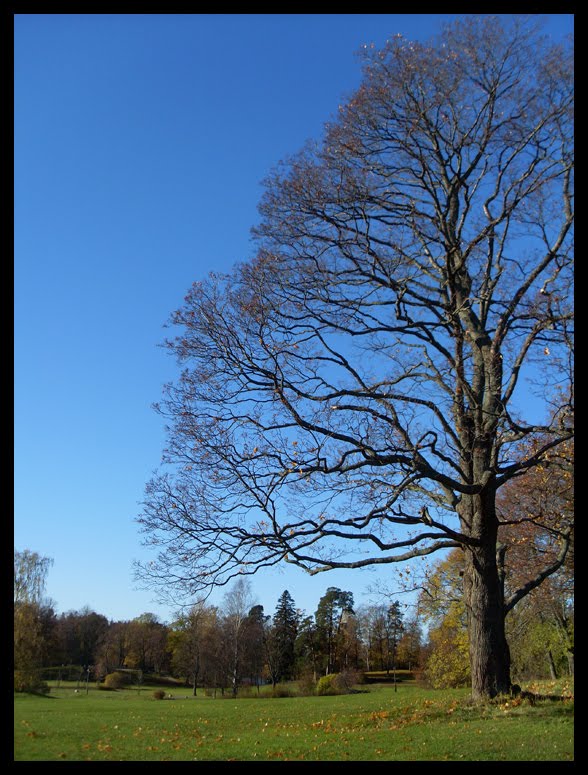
(235, 644)
(218, 647)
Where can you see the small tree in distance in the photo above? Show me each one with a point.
(356, 394)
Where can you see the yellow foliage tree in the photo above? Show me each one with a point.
(449, 662)
(442, 604)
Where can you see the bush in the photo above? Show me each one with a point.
(115, 680)
(349, 679)
(158, 694)
(30, 681)
(339, 683)
(329, 684)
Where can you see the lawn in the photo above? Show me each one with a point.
(412, 724)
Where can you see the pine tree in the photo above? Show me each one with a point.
(285, 630)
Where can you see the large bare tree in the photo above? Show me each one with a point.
(357, 393)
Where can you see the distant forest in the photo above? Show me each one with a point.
(239, 644)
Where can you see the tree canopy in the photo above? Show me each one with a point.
(357, 393)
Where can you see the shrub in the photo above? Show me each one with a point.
(348, 680)
(158, 694)
(30, 681)
(329, 684)
(115, 680)
(339, 683)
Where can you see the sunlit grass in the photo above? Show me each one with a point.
(410, 724)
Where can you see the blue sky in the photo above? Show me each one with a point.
(141, 141)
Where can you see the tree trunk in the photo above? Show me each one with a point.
(570, 655)
(235, 677)
(483, 596)
(552, 668)
(196, 672)
(489, 652)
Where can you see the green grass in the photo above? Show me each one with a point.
(412, 724)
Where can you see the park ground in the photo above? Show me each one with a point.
(376, 723)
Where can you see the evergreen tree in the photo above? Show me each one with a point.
(285, 630)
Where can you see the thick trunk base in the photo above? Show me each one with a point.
(489, 652)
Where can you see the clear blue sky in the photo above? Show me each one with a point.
(140, 144)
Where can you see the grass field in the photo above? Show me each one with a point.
(412, 724)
